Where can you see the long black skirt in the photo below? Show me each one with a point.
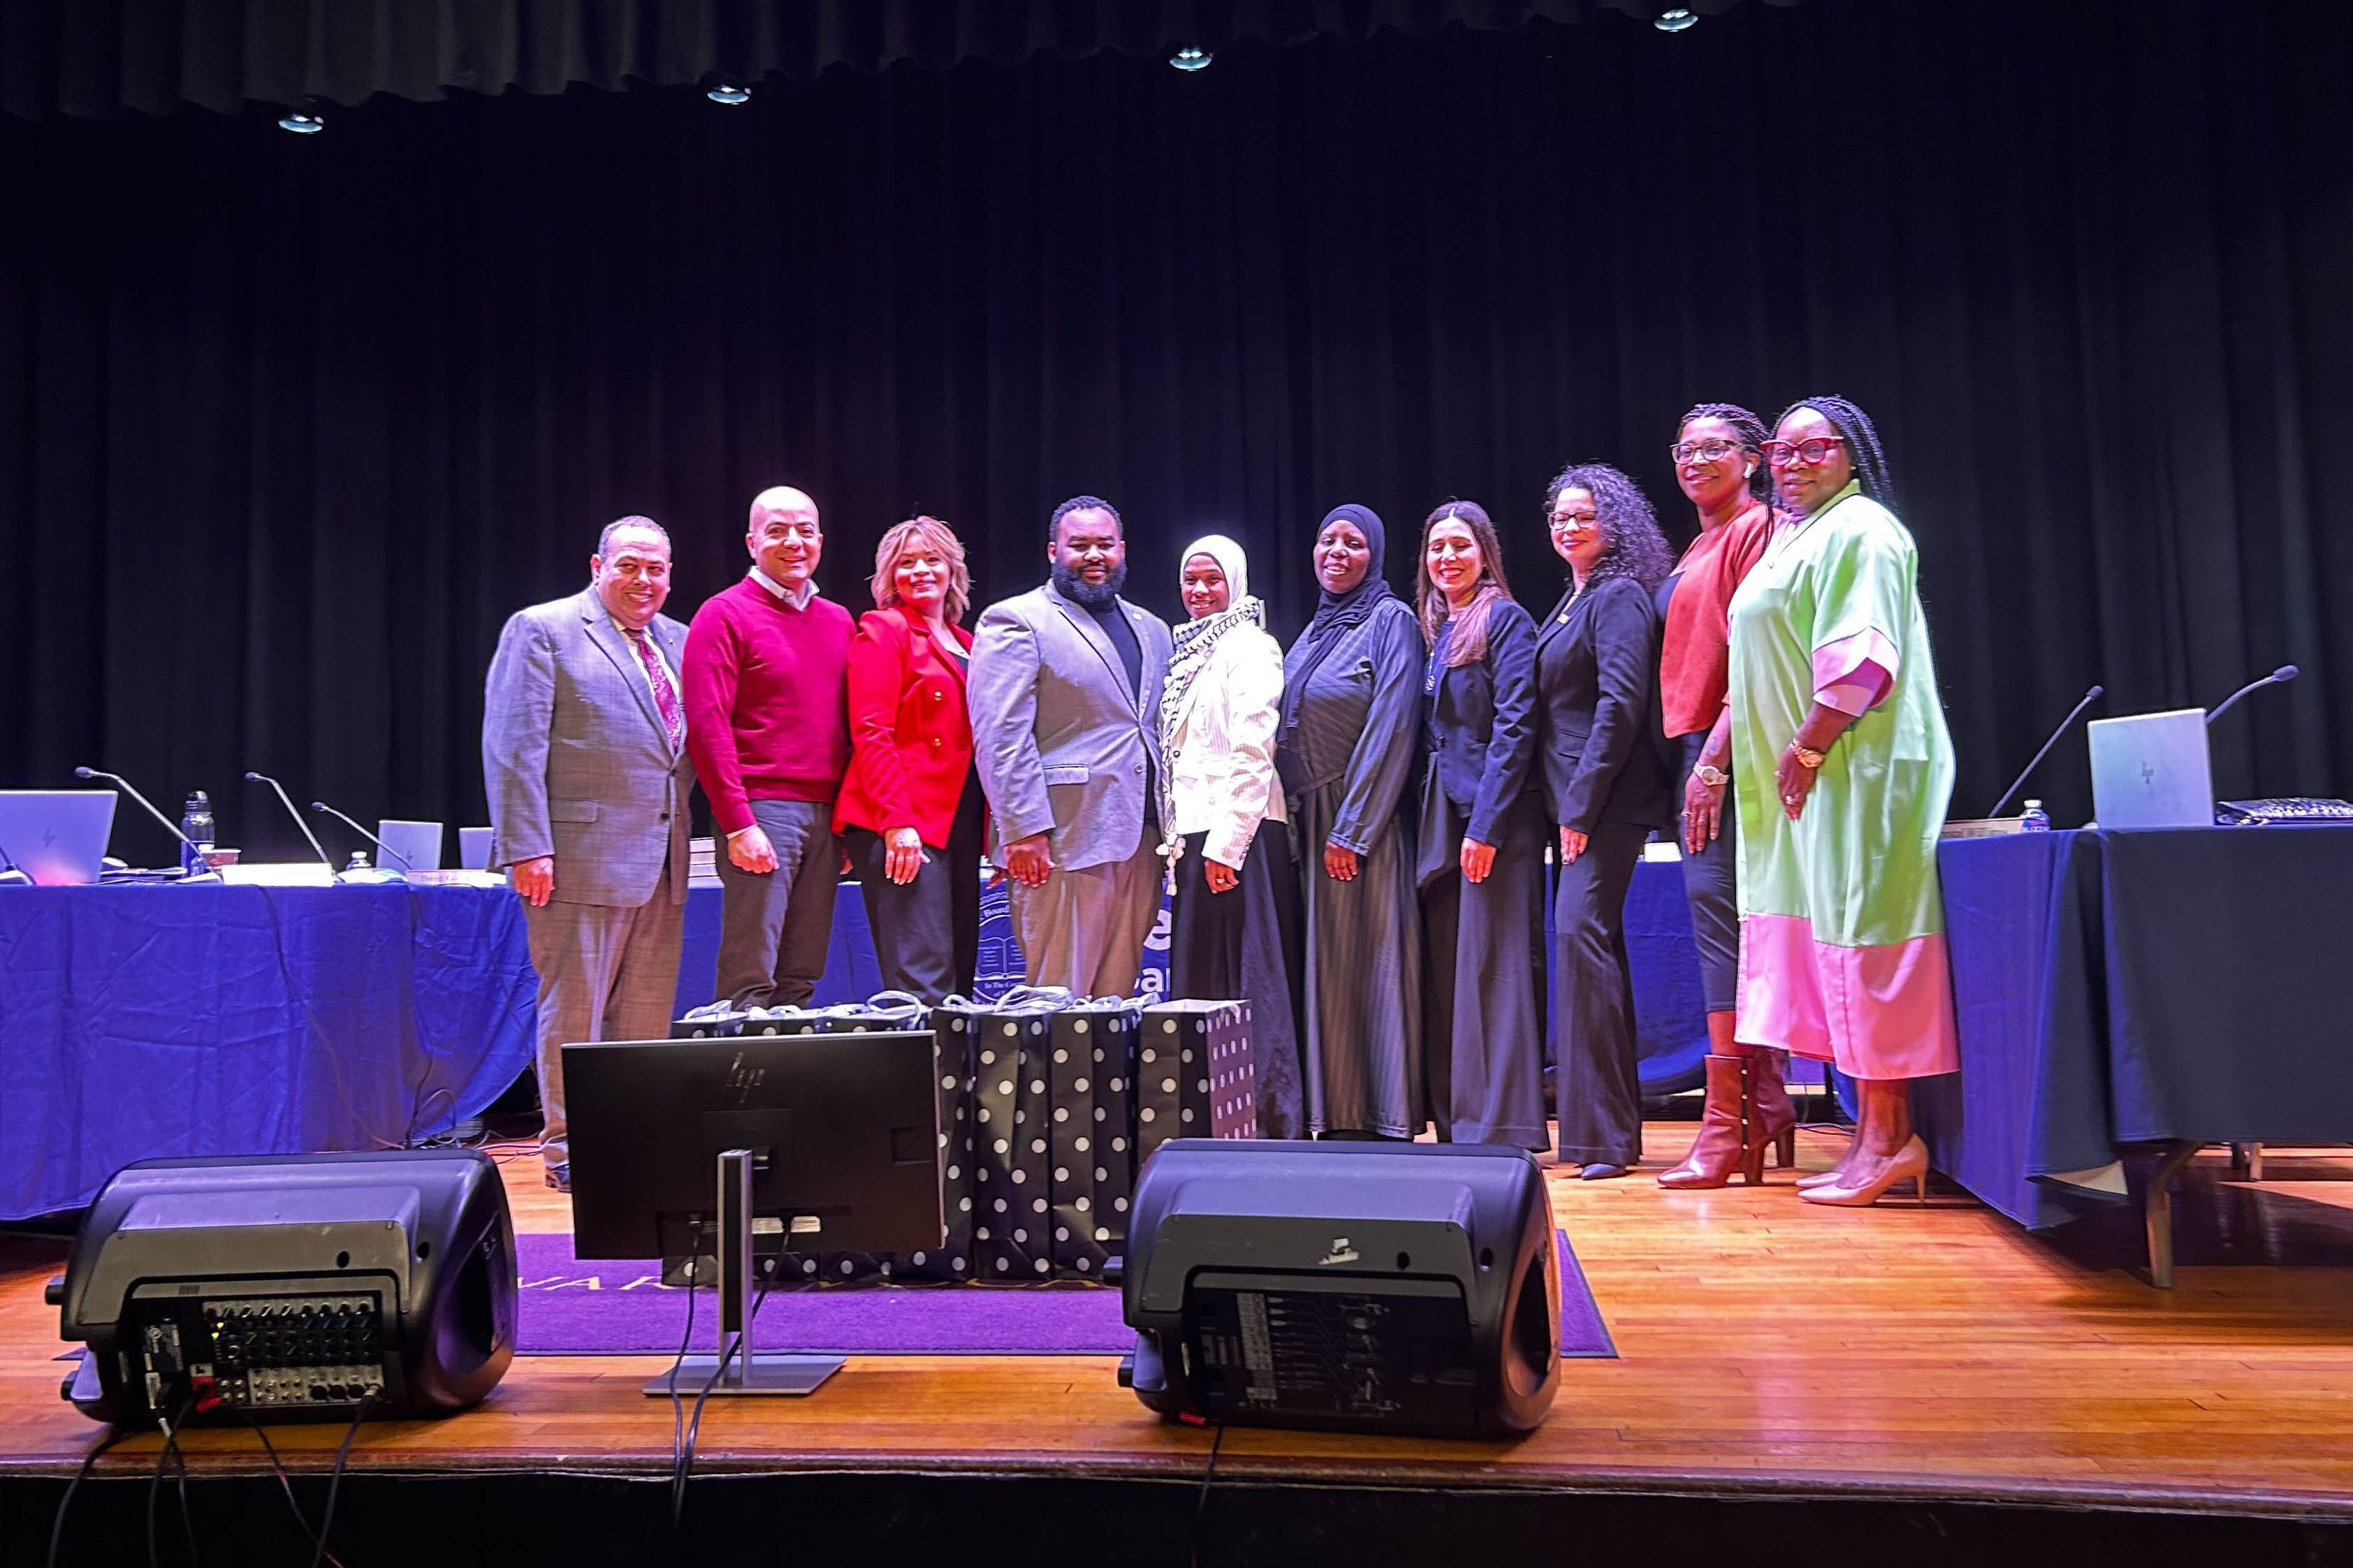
(1244, 944)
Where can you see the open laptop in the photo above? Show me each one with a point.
(57, 836)
(2152, 770)
(409, 846)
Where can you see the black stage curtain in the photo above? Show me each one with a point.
(106, 57)
(289, 425)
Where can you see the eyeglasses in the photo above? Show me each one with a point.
(1566, 522)
(1814, 449)
(1714, 449)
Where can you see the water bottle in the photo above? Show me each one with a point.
(2034, 819)
(197, 821)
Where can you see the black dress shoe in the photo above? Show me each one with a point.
(1599, 1171)
(560, 1177)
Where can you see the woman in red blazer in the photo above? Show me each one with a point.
(910, 808)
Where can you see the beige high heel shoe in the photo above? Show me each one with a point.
(1910, 1164)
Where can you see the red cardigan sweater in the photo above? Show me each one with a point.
(909, 731)
(766, 718)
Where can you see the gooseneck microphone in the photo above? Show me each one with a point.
(316, 849)
(118, 782)
(324, 808)
(2279, 677)
(2094, 695)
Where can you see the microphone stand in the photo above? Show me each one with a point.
(2026, 772)
(170, 827)
(316, 848)
(16, 876)
(2284, 673)
(377, 874)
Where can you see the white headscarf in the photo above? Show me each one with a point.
(1231, 558)
(1196, 642)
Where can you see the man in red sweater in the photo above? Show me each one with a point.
(767, 722)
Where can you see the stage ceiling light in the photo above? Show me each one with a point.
(301, 122)
(1675, 20)
(1191, 58)
(728, 93)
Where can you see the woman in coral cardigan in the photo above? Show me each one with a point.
(909, 809)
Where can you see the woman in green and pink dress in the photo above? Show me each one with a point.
(1843, 767)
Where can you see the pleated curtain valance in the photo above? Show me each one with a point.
(107, 58)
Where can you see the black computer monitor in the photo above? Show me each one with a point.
(847, 1127)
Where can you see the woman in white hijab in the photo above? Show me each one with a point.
(1234, 890)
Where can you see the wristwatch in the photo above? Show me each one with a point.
(1711, 775)
(1807, 757)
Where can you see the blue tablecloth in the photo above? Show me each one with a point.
(144, 1021)
(141, 1021)
(2135, 987)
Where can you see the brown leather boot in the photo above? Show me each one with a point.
(1723, 1145)
(1776, 1121)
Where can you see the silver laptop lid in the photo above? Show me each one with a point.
(409, 846)
(57, 836)
(2151, 770)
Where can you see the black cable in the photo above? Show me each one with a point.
(180, 1479)
(285, 1481)
(695, 1427)
(336, 1481)
(155, 1489)
(677, 1409)
(1201, 1503)
(106, 1439)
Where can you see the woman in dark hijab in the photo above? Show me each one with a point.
(1351, 711)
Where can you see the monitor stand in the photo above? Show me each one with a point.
(772, 1373)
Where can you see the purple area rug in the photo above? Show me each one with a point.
(569, 1307)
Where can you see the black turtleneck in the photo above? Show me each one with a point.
(1113, 621)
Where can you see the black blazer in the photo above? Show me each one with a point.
(1598, 692)
(1480, 723)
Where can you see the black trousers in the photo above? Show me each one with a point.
(1595, 1083)
(1245, 944)
(1483, 989)
(926, 933)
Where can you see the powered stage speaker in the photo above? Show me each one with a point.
(1356, 1287)
(292, 1287)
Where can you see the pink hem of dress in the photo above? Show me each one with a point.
(1874, 1012)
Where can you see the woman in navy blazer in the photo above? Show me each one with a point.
(1482, 848)
(1597, 663)
(909, 809)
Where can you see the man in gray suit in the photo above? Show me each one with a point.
(583, 753)
(1065, 696)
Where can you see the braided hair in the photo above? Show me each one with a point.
(1861, 442)
(1632, 545)
(1753, 437)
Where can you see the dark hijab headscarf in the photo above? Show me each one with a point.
(1336, 614)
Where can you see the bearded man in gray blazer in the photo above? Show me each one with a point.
(1065, 698)
(584, 755)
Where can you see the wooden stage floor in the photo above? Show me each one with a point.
(1768, 1348)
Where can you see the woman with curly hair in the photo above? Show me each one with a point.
(1481, 868)
(1719, 458)
(1596, 658)
(1834, 707)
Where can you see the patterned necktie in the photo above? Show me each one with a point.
(665, 697)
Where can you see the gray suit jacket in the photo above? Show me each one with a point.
(1062, 743)
(575, 757)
